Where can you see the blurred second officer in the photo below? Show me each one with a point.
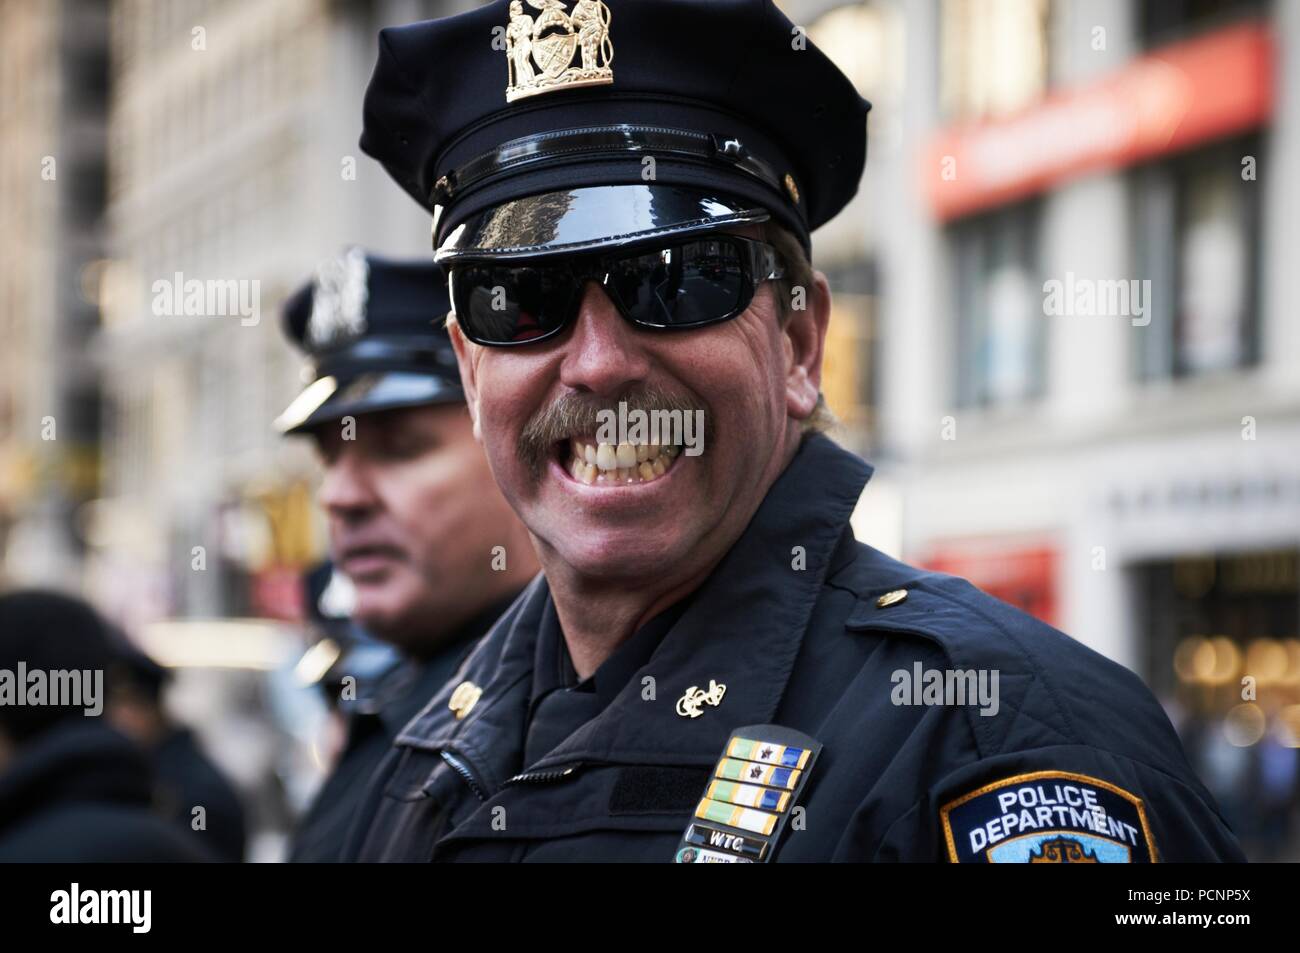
(426, 544)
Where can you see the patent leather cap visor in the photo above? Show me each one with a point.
(330, 399)
(575, 221)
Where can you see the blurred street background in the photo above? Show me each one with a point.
(1130, 474)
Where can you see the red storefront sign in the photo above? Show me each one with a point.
(277, 593)
(1023, 575)
(1185, 94)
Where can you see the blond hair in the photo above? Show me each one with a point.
(798, 274)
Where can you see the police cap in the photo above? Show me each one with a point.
(545, 127)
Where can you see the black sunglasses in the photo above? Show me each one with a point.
(685, 284)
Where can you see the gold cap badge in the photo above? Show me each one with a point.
(541, 50)
(338, 303)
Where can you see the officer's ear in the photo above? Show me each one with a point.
(464, 349)
(808, 315)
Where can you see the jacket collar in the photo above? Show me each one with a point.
(743, 629)
(409, 688)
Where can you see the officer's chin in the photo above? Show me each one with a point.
(616, 532)
(384, 595)
(384, 610)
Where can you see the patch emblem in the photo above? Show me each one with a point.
(745, 807)
(1048, 817)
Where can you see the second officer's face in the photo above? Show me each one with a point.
(412, 518)
(753, 377)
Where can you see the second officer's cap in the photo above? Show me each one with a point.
(374, 331)
(539, 127)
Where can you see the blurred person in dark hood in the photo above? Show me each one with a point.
(72, 789)
(190, 791)
(426, 553)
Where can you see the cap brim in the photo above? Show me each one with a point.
(329, 399)
(574, 221)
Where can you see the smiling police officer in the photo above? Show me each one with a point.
(431, 553)
(712, 668)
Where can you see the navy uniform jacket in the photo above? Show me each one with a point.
(321, 835)
(1078, 763)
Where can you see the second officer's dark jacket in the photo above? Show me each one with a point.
(792, 623)
(373, 724)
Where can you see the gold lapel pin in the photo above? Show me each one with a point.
(688, 706)
(464, 698)
(891, 598)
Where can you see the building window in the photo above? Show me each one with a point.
(1222, 654)
(864, 41)
(1164, 21)
(994, 56)
(850, 371)
(1197, 238)
(999, 307)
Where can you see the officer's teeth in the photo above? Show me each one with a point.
(607, 463)
(582, 471)
(606, 457)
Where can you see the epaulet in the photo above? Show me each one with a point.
(1044, 675)
(972, 627)
(964, 624)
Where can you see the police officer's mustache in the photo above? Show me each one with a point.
(669, 419)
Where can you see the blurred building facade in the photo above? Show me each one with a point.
(234, 165)
(1126, 468)
(53, 113)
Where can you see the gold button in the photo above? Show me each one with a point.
(891, 598)
(464, 698)
(792, 188)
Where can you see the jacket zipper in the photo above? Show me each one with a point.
(466, 773)
(554, 774)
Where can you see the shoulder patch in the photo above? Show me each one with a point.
(1048, 817)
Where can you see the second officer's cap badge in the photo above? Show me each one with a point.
(338, 314)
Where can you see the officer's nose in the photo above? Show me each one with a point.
(347, 492)
(604, 353)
